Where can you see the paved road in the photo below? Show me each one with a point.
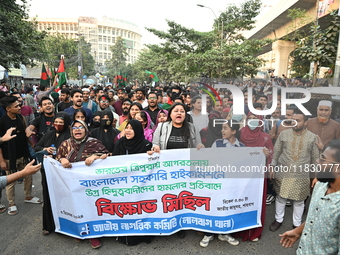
(22, 234)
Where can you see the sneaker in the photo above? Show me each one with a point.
(270, 199)
(205, 241)
(229, 239)
(288, 203)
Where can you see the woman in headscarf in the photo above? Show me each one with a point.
(81, 147)
(252, 135)
(47, 146)
(144, 118)
(96, 120)
(162, 116)
(134, 141)
(213, 131)
(106, 133)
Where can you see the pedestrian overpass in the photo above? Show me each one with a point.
(276, 25)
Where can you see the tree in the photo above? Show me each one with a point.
(86, 57)
(58, 45)
(20, 42)
(119, 56)
(190, 53)
(320, 46)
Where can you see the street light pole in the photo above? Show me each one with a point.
(218, 22)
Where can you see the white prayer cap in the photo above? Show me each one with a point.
(86, 89)
(325, 103)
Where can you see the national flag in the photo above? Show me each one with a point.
(61, 74)
(44, 80)
(152, 75)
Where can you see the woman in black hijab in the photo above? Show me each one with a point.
(95, 120)
(55, 137)
(134, 141)
(106, 133)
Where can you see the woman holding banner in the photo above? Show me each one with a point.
(176, 133)
(132, 143)
(81, 147)
(47, 146)
(252, 135)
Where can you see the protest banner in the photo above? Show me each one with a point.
(158, 195)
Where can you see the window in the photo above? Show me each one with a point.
(105, 55)
(104, 38)
(100, 30)
(100, 56)
(109, 55)
(100, 46)
(124, 33)
(113, 31)
(100, 38)
(105, 47)
(104, 30)
(113, 40)
(121, 32)
(109, 39)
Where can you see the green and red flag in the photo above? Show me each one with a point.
(44, 79)
(152, 75)
(61, 74)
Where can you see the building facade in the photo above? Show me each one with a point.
(101, 34)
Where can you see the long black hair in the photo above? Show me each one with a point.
(185, 126)
(139, 106)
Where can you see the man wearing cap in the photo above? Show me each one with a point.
(87, 102)
(323, 126)
(118, 104)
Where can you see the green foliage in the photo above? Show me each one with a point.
(73, 51)
(235, 20)
(323, 51)
(299, 19)
(119, 56)
(20, 42)
(187, 53)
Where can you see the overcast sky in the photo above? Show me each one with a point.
(144, 13)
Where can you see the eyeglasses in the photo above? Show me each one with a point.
(75, 128)
(152, 98)
(104, 101)
(323, 158)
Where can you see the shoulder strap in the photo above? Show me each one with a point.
(80, 152)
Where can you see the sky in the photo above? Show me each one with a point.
(144, 13)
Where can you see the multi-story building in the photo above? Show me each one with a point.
(101, 34)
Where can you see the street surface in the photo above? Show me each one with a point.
(22, 235)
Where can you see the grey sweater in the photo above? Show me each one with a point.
(163, 131)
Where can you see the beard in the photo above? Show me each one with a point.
(125, 112)
(326, 176)
(323, 120)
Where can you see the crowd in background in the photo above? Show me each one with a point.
(91, 122)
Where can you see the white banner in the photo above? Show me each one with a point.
(159, 194)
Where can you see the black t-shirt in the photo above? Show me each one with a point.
(19, 142)
(153, 114)
(177, 140)
(48, 124)
(62, 106)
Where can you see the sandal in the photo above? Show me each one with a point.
(2, 208)
(33, 200)
(12, 210)
(95, 243)
(46, 232)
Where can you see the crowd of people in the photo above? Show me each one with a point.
(94, 122)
